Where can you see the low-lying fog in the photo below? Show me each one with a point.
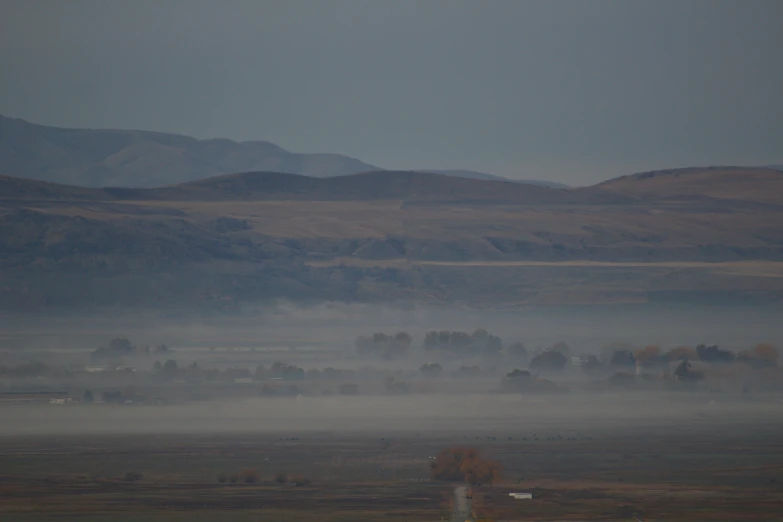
(499, 415)
(338, 324)
(225, 378)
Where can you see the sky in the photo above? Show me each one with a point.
(566, 90)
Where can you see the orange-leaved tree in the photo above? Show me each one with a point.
(648, 355)
(767, 353)
(464, 464)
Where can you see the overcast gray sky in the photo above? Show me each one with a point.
(568, 90)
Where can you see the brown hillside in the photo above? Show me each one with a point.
(406, 186)
(12, 188)
(389, 235)
(409, 186)
(760, 185)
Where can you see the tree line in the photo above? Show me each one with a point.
(483, 343)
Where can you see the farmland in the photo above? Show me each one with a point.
(651, 456)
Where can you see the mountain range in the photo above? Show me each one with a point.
(131, 158)
(139, 158)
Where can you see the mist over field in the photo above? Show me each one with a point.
(364, 261)
(223, 364)
(431, 415)
(335, 325)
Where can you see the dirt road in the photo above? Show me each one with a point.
(462, 505)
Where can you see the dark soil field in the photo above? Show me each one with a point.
(689, 468)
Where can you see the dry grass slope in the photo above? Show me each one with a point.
(390, 235)
(762, 185)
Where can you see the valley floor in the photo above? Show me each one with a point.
(681, 467)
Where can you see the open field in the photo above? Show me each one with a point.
(663, 459)
(751, 268)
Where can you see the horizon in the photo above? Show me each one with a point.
(440, 171)
(569, 92)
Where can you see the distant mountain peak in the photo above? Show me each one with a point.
(131, 158)
(137, 159)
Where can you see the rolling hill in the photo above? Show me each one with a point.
(136, 159)
(97, 158)
(714, 234)
(12, 188)
(409, 186)
(749, 184)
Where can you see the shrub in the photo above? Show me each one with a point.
(288, 372)
(762, 356)
(383, 345)
(553, 361)
(685, 374)
(517, 380)
(281, 478)
(714, 354)
(249, 476)
(170, 367)
(222, 478)
(480, 342)
(766, 353)
(118, 347)
(464, 464)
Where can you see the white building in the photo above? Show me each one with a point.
(521, 496)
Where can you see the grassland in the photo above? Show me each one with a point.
(675, 468)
